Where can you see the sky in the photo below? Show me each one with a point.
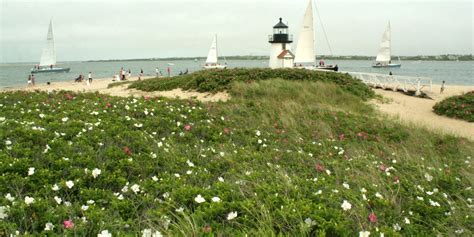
(120, 29)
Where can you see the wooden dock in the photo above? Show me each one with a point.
(394, 82)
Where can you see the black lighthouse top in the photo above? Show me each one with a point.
(280, 34)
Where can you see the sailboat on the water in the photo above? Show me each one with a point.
(212, 57)
(384, 57)
(305, 56)
(48, 58)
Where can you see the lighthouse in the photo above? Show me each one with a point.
(280, 54)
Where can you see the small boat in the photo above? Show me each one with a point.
(305, 56)
(212, 61)
(384, 57)
(48, 57)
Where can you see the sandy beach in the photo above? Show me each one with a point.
(100, 85)
(420, 111)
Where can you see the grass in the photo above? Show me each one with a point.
(282, 154)
(459, 107)
(116, 84)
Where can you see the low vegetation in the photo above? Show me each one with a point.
(460, 107)
(220, 80)
(291, 158)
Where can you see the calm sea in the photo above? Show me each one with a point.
(16, 74)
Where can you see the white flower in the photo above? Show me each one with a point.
(199, 199)
(216, 199)
(90, 202)
(434, 204)
(190, 164)
(41, 115)
(104, 233)
(364, 234)
(259, 141)
(149, 233)
(231, 215)
(65, 119)
(2, 119)
(3, 215)
(328, 172)
(407, 221)
(180, 210)
(58, 199)
(154, 178)
(84, 207)
(48, 226)
(135, 188)
(363, 190)
(346, 205)
(309, 222)
(9, 197)
(428, 177)
(96, 172)
(31, 171)
(29, 200)
(138, 125)
(70, 184)
(55, 187)
(379, 195)
(397, 227)
(257, 133)
(220, 179)
(345, 185)
(68, 204)
(221, 154)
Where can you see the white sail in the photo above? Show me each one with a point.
(212, 56)
(384, 55)
(48, 57)
(305, 52)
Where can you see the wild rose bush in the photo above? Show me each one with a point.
(279, 158)
(220, 80)
(460, 107)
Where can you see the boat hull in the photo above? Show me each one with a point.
(215, 67)
(334, 68)
(50, 70)
(387, 66)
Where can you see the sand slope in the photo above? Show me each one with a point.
(420, 111)
(100, 85)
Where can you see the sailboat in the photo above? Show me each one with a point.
(48, 58)
(305, 56)
(211, 61)
(384, 57)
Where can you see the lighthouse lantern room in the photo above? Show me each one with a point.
(280, 54)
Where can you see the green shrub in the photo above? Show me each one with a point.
(459, 107)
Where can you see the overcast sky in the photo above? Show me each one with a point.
(119, 29)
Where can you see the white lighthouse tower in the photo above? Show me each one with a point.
(280, 54)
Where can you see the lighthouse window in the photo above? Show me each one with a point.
(280, 31)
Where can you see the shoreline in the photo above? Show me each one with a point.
(419, 111)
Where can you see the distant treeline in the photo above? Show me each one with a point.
(447, 57)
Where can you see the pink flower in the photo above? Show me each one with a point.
(341, 137)
(382, 167)
(320, 168)
(127, 151)
(373, 218)
(68, 224)
(363, 135)
(226, 130)
(187, 127)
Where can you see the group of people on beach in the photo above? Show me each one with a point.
(80, 78)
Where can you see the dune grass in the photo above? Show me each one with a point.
(282, 155)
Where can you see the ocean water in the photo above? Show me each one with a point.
(16, 74)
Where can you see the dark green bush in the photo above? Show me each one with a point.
(460, 107)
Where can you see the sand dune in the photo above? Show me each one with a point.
(420, 111)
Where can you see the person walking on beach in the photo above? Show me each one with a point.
(157, 70)
(129, 73)
(89, 81)
(169, 71)
(141, 74)
(29, 81)
(443, 85)
(33, 79)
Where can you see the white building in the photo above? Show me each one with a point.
(280, 54)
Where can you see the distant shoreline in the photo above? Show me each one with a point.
(448, 57)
